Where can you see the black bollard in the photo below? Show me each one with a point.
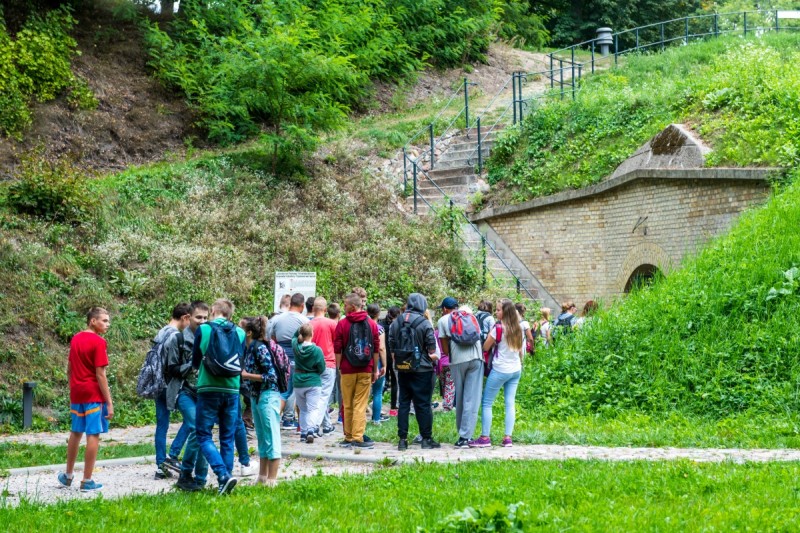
(27, 404)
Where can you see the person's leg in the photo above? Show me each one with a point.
(73, 447)
(326, 393)
(273, 419)
(313, 405)
(393, 385)
(348, 382)
(288, 396)
(90, 457)
(229, 418)
(510, 394)
(493, 384)
(377, 398)
(240, 440)
(449, 390)
(360, 400)
(180, 440)
(193, 460)
(458, 373)
(471, 394)
(208, 404)
(404, 388)
(301, 400)
(162, 425)
(422, 390)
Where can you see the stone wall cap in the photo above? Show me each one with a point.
(759, 174)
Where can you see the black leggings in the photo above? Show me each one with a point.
(391, 377)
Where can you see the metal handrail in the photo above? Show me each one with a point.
(436, 118)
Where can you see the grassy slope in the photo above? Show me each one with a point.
(575, 495)
(739, 95)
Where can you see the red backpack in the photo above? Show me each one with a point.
(487, 359)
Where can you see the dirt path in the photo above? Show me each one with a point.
(326, 457)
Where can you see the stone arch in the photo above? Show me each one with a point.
(642, 274)
(646, 253)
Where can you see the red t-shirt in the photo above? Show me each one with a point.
(323, 337)
(87, 353)
(342, 335)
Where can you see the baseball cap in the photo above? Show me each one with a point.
(449, 303)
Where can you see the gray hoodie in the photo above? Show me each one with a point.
(173, 354)
(416, 306)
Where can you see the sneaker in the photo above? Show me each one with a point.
(310, 438)
(417, 440)
(434, 405)
(507, 442)
(366, 445)
(226, 485)
(376, 422)
(462, 443)
(187, 483)
(402, 445)
(428, 444)
(327, 430)
(200, 483)
(392, 412)
(482, 442)
(287, 423)
(173, 463)
(162, 472)
(64, 479)
(346, 444)
(246, 470)
(365, 438)
(90, 485)
(384, 418)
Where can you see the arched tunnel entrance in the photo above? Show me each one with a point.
(643, 275)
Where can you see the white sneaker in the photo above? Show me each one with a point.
(246, 471)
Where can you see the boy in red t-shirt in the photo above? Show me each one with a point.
(90, 398)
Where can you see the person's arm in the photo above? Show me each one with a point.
(197, 353)
(174, 358)
(529, 335)
(338, 335)
(549, 333)
(383, 354)
(430, 343)
(488, 344)
(102, 380)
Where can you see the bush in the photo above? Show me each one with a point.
(52, 190)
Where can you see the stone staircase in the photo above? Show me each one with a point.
(454, 177)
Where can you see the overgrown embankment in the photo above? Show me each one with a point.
(739, 95)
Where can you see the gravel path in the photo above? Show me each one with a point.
(326, 457)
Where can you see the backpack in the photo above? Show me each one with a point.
(483, 322)
(152, 377)
(281, 363)
(407, 354)
(223, 358)
(562, 326)
(464, 328)
(360, 344)
(487, 358)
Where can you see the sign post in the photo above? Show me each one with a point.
(292, 282)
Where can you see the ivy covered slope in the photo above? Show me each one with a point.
(739, 95)
(141, 241)
(718, 338)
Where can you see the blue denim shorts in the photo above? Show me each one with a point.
(89, 418)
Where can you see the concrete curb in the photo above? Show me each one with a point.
(365, 459)
(122, 461)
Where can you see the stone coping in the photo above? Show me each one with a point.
(716, 174)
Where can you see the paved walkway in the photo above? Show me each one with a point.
(326, 457)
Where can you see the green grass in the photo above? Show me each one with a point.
(738, 94)
(13, 455)
(574, 495)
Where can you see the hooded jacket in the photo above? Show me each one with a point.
(173, 352)
(342, 335)
(416, 306)
(309, 364)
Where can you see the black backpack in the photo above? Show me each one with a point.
(360, 344)
(562, 327)
(407, 353)
(223, 357)
(482, 317)
(153, 377)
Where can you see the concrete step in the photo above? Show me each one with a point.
(472, 145)
(459, 179)
(428, 189)
(463, 154)
(458, 163)
(437, 174)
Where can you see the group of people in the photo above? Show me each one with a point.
(293, 365)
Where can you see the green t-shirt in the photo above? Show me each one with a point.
(206, 381)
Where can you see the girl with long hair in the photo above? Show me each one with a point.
(506, 347)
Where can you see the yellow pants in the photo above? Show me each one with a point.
(355, 395)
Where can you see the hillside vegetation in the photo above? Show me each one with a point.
(739, 95)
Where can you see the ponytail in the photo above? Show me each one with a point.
(305, 333)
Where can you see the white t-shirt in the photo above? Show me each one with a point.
(507, 361)
(544, 328)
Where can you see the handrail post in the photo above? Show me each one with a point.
(593, 56)
(405, 171)
(519, 285)
(466, 104)
(561, 77)
(745, 23)
(514, 93)
(777, 22)
(580, 70)
(663, 44)
(637, 38)
(480, 155)
(552, 74)
(519, 94)
(686, 20)
(415, 187)
(433, 156)
(572, 64)
(452, 222)
(483, 253)
(716, 24)
(616, 49)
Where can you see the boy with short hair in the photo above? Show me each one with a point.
(90, 397)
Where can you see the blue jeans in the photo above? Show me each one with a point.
(509, 383)
(221, 408)
(192, 458)
(377, 398)
(240, 439)
(162, 426)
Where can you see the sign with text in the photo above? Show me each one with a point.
(292, 282)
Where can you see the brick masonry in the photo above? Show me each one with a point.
(585, 244)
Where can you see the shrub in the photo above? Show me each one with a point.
(52, 190)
